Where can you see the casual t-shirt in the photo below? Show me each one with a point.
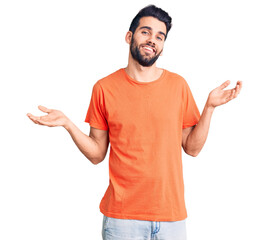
(145, 122)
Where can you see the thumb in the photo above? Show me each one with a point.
(44, 109)
(225, 84)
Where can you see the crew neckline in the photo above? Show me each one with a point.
(144, 83)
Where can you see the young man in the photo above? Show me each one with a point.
(147, 114)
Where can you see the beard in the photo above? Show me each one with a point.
(145, 61)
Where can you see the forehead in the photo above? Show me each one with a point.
(154, 23)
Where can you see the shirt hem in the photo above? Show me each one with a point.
(96, 125)
(189, 125)
(142, 217)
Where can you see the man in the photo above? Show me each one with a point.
(147, 114)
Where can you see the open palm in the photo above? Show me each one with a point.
(53, 118)
(219, 96)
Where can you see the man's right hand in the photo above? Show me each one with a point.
(94, 147)
(54, 118)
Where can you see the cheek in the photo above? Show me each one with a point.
(159, 49)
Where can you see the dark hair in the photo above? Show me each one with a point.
(152, 11)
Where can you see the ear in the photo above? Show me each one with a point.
(128, 37)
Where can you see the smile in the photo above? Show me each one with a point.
(149, 49)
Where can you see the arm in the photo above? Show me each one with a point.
(94, 147)
(194, 138)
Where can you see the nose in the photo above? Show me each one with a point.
(151, 42)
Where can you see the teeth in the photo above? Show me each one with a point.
(149, 49)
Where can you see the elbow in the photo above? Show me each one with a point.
(96, 160)
(192, 153)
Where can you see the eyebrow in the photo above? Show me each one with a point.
(149, 28)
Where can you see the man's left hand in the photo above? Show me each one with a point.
(219, 96)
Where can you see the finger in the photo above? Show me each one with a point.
(224, 85)
(39, 122)
(230, 95)
(33, 118)
(43, 120)
(44, 109)
(237, 90)
(233, 94)
(240, 83)
(33, 121)
(45, 117)
(29, 115)
(44, 123)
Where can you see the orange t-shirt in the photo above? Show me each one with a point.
(145, 122)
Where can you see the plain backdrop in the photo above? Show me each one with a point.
(52, 52)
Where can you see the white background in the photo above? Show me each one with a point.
(51, 54)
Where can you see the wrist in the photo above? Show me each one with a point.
(209, 106)
(67, 124)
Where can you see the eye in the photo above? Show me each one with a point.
(145, 32)
(160, 38)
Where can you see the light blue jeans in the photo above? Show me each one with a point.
(125, 229)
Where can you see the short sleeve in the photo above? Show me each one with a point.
(191, 114)
(96, 115)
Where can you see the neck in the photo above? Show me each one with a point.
(140, 73)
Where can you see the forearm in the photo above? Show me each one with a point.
(87, 145)
(198, 135)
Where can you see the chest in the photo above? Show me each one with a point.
(144, 108)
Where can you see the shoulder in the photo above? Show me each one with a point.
(106, 81)
(175, 77)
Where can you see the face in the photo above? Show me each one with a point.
(147, 42)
